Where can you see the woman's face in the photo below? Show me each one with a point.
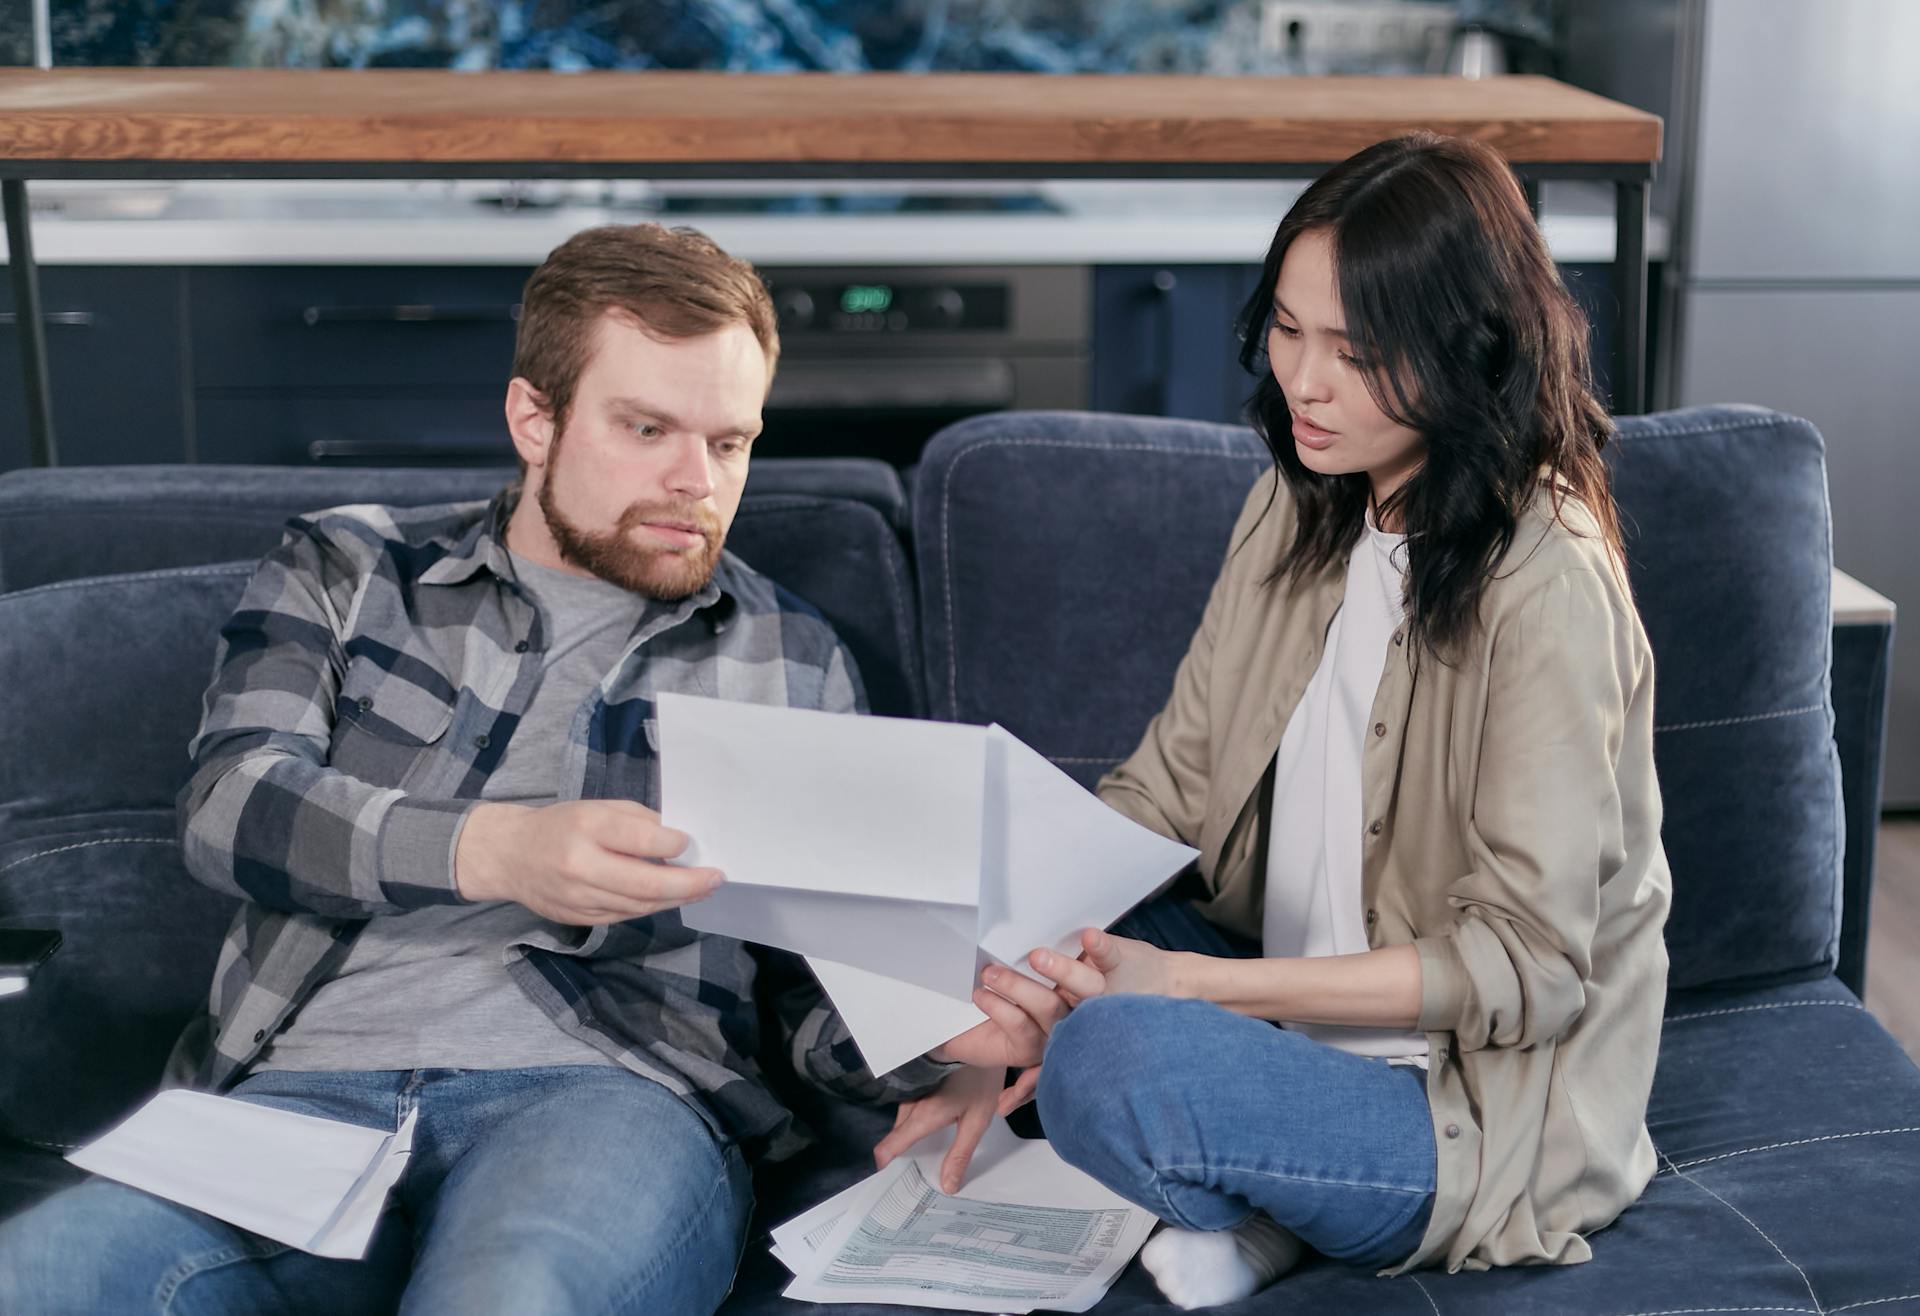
(1338, 429)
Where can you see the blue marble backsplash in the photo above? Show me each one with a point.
(1039, 36)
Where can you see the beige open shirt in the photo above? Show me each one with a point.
(1511, 834)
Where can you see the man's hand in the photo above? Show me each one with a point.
(968, 1097)
(585, 862)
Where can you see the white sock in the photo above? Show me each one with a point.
(1204, 1269)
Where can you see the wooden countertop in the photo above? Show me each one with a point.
(239, 117)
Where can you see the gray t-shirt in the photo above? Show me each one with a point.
(430, 988)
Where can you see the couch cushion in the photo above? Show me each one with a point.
(1729, 549)
(1065, 559)
(69, 522)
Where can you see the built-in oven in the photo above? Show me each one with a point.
(874, 360)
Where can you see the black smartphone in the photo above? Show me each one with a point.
(22, 951)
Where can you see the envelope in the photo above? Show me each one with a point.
(898, 856)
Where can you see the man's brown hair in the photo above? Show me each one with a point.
(675, 281)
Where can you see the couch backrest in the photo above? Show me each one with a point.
(74, 521)
(1064, 560)
(100, 688)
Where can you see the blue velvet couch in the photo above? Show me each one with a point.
(1045, 571)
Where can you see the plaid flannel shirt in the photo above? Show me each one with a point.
(368, 683)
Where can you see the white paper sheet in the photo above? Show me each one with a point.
(315, 1184)
(1026, 1232)
(12, 985)
(896, 855)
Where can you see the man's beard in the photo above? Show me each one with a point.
(666, 574)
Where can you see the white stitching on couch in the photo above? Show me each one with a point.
(1423, 1293)
(1777, 1005)
(1741, 721)
(164, 573)
(1797, 1142)
(1818, 1309)
(1689, 1311)
(1875, 1302)
(81, 845)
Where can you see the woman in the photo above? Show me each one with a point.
(1413, 740)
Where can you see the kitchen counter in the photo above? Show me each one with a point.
(76, 122)
(506, 223)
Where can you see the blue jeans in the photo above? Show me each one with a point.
(577, 1190)
(1203, 1116)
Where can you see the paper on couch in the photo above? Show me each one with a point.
(897, 855)
(311, 1183)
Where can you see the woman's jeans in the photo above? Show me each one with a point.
(1203, 1116)
(575, 1189)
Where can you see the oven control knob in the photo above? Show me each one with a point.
(795, 308)
(946, 307)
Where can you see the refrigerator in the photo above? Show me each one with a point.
(1792, 185)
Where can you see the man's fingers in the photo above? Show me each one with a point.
(1076, 979)
(1020, 1092)
(917, 1124)
(634, 830)
(1038, 1000)
(621, 881)
(1023, 1035)
(973, 1126)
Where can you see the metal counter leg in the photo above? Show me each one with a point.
(1630, 287)
(32, 325)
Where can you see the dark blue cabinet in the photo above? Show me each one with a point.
(1164, 342)
(116, 357)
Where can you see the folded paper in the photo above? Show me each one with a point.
(898, 856)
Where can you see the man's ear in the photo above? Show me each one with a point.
(529, 422)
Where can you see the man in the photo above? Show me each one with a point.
(424, 766)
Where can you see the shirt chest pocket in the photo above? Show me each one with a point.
(388, 723)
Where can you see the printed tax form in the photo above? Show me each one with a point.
(1027, 1232)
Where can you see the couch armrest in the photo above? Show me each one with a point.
(1863, 622)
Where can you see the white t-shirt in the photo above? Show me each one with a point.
(1313, 895)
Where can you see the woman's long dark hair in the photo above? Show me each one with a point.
(1449, 293)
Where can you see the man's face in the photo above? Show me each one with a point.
(643, 484)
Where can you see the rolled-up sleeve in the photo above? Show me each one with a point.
(1547, 825)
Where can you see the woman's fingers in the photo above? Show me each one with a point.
(1076, 980)
(1020, 1092)
(1100, 950)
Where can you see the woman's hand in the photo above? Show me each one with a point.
(1021, 1014)
(1109, 965)
(968, 1097)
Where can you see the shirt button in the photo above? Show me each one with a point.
(480, 741)
(1375, 827)
(1379, 728)
(260, 1035)
(366, 703)
(1453, 1130)
(521, 647)
(1397, 637)
(1373, 917)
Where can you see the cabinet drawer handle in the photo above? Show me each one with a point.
(76, 319)
(417, 313)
